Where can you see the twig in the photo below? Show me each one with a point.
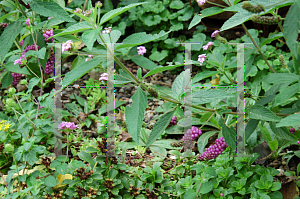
(4, 180)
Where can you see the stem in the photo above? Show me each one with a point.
(200, 186)
(17, 171)
(208, 119)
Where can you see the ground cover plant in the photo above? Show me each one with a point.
(170, 159)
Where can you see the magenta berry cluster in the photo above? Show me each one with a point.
(292, 130)
(16, 78)
(214, 150)
(173, 121)
(47, 34)
(192, 134)
(49, 65)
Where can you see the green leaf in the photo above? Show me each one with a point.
(282, 132)
(205, 13)
(108, 5)
(78, 27)
(113, 13)
(261, 113)
(158, 56)
(201, 143)
(80, 70)
(291, 120)
(210, 95)
(86, 157)
(159, 127)
(50, 181)
(206, 187)
(250, 127)
(196, 20)
(161, 69)
(144, 62)
(6, 80)
(279, 78)
(291, 27)
(202, 75)
(8, 36)
(271, 37)
(177, 4)
(89, 37)
(16, 68)
(112, 173)
(286, 93)
(7, 15)
(180, 82)
(50, 9)
(265, 132)
(273, 145)
(40, 54)
(236, 20)
(151, 20)
(275, 186)
(30, 157)
(140, 38)
(135, 114)
(32, 82)
(190, 194)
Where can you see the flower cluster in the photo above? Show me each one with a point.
(49, 64)
(251, 8)
(265, 19)
(201, 58)
(90, 57)
(141, 50)
(4, 126)
(16, 78)
(104, 76)
(192, 134)
(88, 12)
(67, 125)
(27, 22)
(215, 33)
(107, 30)
(282, 62)
(3, 25)
(214, 150)
(201, 2)
(78, 10)
(47, 34)
(173, 121)
(67, 46)
(209, 44)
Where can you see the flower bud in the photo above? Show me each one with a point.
(10, 103)
(265, 19)
(221, 39)
(282, 62)
(251, 8)
(12, 91)
(9, 148)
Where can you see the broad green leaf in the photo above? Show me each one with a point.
(287, 93)
(272, 37)
(86, 157)
(266, 134)
(113, 13)
(229, 136)
(203, 75)
(50, 9)
(182, 81)
(273, 145)
(135, 114)
(205, 13)
(50, 181)
(282, 132)
(261, 113)
(203, 140)
(207, 96)
(291, 27)
(8, 36)
(206, 187)
(190, 194)
(144, 62)
(279, 78)
(159, 126)
(75, 28)
(89, 37)
(250, 127)
(6, 80)
(32, 82)
(236, 20)
(161, 69)
(7, 15)
(16, 68)
(40, 54)
(291, 120)
(79, 71)
(30, 157)
(177, 4)
(140, 38)
(151, 20)
(158, 56)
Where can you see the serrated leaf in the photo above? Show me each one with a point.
(261, 113)
(113, 13)
(50, 9)
(135, 114)
(207, 96)
(8, 36)
(78, 27)
(159, 127)
(89, 37)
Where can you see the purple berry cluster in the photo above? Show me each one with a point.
(16, 78)
(192, 134)
(292, 130)
(214, 150)
(47, 34)
(173, 121)
(49, 65)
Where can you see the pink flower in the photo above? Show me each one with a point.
(90, 56)
(107, 30)
(103, 77)
(50, 18)
(141, 50)
(67, 46)
(298, 142)
(209, 44)
(78, 10)
(27, 22)
(67, 125)
(201, 58)
(216, 32)
(201, 2)
(18, 61)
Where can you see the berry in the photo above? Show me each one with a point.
(173, 121)
(16, 78)
(192, 134)
(49, 65)
(266, 19)
(47, 34)
(214, 150)
(298, 142)
(292, 130)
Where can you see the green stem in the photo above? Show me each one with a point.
(17, 171)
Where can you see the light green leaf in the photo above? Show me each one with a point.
(177, 4)
(203, 140)
(50, 9)
(144, 62)
(161, 69)
(203, 75)
(16, 69)
(32, 82)
(236, 20)
(282, 132)
(159, 127)
(181, 82)
(287, 93)
(8, 36)
(151, 20)
(80, 70)
(89, 37)
(140, 38)
(272, 37)
(158, 56)
(30, 157)
(291, 120)
(135, 114)
(265, 132)
(273, 145)
(207, 96)
(7, 15)
(78, 27)
(50, 181)
(86, 157)
(279, 78)
(261, 113)
(40, 54)
(190, 194)
(113, 13)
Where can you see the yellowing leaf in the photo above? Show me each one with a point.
(215, 81)
(61, 178)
